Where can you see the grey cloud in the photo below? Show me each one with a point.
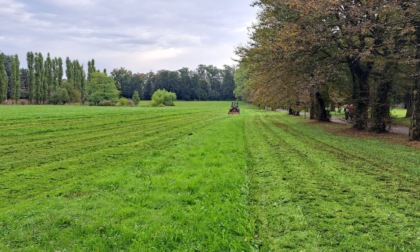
(84, 29)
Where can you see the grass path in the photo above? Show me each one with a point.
(192, 178)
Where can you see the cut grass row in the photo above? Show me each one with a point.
(172, 181)
(192, 178)
(319, 192)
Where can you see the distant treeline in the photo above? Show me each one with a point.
(43, 81)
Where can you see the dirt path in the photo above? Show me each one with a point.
(396, 129)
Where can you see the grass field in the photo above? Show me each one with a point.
(192, 178)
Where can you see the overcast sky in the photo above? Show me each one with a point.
(140, 35)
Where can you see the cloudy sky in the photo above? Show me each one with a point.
(140, 35)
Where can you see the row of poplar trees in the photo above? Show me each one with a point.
(42, 80)
(315, 53)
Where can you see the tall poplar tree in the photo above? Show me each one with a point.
(39, 78)
(3, 78)
(55, 74)
(91, 69)
(15, 64)
(48, 77)
(60, 72)
(69, 71)
(31, 75)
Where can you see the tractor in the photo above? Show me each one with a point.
(234, 109)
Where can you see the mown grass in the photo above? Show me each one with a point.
(192, 178)
(149, 179)
(315, 191)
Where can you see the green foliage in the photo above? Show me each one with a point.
(123, 102)
(40, 94)
(60, 96)
(102, 87)
(136, 98)
(3, 78)
(15, 76)
(162, 97)
(74, 94)
(31, 75)
(241, 90)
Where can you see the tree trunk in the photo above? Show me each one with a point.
(414, 133)
(380, 117)
(322, 112)
(408, 103)
(360, 77)
(312, 108)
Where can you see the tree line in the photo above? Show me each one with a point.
(206, 82)
(318, 54)
(43, 81)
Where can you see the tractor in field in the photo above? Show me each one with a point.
(234, 109)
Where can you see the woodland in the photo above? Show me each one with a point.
(317, 55)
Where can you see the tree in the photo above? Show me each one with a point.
(123, 78)
(228, 83)
(137, 82)
(241, 90)
(39, 95)
(60, 72)
(150, 86)
(136, 98)
(31, 75)
(3, 78)
(101, 88)
(413, 17)
(48, 77)
(91, 69)
(69, 71)
(16, 85)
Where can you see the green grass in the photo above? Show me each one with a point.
(398, 117)
(192, 178)
(316, 191)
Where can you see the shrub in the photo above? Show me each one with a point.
(131, 103)
(136, 98)
(161, 97)
(106, 103)
(123, 102)
(61, 96)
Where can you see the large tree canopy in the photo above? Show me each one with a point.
(315, 53)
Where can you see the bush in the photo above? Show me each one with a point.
(131, 103)
(161, 97)
(123, 102)
(106, 103)
(61, 96)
